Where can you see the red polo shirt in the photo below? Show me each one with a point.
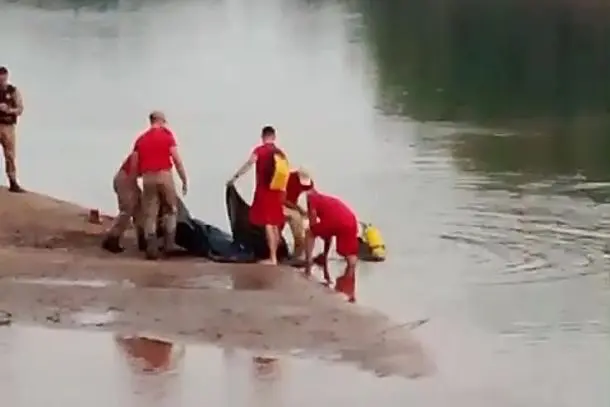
(294, 189)
(336, 219)
(154, 150)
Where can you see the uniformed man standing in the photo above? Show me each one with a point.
(11, 107)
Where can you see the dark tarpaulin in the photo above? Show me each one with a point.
(250, 236)
(200, 239)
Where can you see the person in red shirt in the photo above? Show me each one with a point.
(298, 182)
(155, 152)
(267, 205)
(330, 217)
(128, 198)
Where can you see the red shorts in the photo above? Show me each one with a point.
(267, 208)
(346, 237)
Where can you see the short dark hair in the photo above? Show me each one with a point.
(268, 131)
(3, 70)
(156, 116)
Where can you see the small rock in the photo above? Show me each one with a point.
(6, 318)
(55, 318)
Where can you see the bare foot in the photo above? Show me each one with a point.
(268, 262)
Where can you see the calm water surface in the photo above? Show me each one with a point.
(476, 137)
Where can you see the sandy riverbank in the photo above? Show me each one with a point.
(52, 269)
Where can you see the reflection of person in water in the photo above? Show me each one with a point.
(266, 367)
(346, 284)
(149, 355)
(267, 382)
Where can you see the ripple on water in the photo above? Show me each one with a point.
(532, 238)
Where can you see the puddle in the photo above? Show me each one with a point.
(58, 282)
(74, 368)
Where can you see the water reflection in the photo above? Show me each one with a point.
(267, 381)
(540, 71)
(150, 355)
(346, 285)
(466, 60)
(155, 368)
(549, 162)
(79, 5)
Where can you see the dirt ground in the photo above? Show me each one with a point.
(44, 240)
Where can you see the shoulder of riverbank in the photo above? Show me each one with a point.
(40, 221)
(52, 267)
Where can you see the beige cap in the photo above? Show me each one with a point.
(304, 177)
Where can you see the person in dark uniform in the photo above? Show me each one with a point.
(11, 107)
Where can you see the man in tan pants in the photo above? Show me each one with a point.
(154, 155)
(11, 107)
(129, 198)
(299, 181)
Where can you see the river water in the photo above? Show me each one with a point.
(475, 136)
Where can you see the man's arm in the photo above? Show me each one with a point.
(177, 159)
(311, 214)
(327, 243)
(133, 166)
(294, 206)
(18, 109)
(244, 168)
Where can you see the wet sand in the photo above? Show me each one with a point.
(54, 271)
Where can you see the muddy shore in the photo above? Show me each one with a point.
(52, 269)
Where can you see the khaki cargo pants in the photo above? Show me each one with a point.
(296, 222)
(129, 198)
(159, 196)
(8, 142)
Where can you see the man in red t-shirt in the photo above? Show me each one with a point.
(155, 153)
(298, 182)
(128, 195)
(329, 217)
(266, 209)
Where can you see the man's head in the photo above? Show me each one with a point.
(157, 118)
(268, 134)
(304, 177)
(3, 76)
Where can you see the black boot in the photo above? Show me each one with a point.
(13, 186)
(111, 244)
(141, 240)
(152, 247)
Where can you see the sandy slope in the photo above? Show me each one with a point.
(250, 306)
